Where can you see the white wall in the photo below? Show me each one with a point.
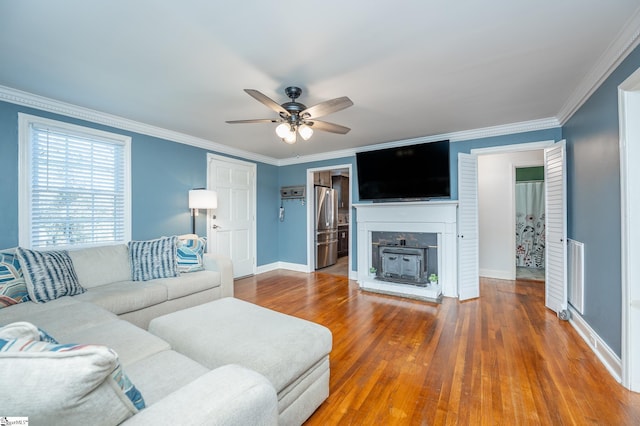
(496, 210)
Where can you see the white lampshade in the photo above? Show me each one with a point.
(203, 199)
(305, 131)
(283, 130)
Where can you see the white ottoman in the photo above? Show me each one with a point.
(291, 352)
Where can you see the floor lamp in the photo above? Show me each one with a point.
(201, 198)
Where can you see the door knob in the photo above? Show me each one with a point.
(214, 226)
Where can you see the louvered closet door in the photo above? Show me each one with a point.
(468, 264)
(556, 228)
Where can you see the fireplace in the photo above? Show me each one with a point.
(401, 244)
(404, 257)
(405, 265)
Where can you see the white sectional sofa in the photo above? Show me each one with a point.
(106, 274)
(78, 384)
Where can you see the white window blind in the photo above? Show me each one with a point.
(77, 187)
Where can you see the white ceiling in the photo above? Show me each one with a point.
(412, 68)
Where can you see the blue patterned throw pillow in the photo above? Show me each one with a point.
(48, 274)
(190, 252)
(13, 288)
(154, 258)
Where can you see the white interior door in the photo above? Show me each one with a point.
(556, 227)
(468, 264)
(232, 226)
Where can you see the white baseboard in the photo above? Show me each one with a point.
(298, 267)
(604, 353)
(496, 273)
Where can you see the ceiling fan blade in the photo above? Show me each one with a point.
(329, 127)
(327, 107)
(257, 120)
(267, 101)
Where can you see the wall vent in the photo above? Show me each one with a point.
(575, 274)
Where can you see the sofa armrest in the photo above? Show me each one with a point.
(222, 264)
(228, 395)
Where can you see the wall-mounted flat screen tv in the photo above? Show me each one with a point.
(405, 173)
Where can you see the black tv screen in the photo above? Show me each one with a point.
(412, 172)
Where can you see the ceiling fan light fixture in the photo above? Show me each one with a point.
(290, 138)
(283, 130)
(295, 117)
(305, 131)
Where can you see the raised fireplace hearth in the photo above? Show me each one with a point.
(401, 244)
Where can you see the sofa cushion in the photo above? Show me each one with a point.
(126, 296)
(96, 266)
(58, 317)
(163, 373)
(73, 384)
(278, 346)
(48, 274)
(190, 283)
(153, 259)
(25, 330)
(13, 288)
(190, 252)
(131, 343)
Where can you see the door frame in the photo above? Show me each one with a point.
(311, 243)
(628, 108)
(253, 227)
(504, 149)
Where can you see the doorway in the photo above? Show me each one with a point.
(506, 240)
(338, 179)
(555, 217)
(231, 228)
(530, 223)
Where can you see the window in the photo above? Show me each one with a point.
(74, 185)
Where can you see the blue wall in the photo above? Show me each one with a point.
(162, 172)
(293, 231)
(268, 199)
(593, 179)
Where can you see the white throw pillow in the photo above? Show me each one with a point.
(64, 384)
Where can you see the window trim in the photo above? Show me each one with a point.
(24, 173)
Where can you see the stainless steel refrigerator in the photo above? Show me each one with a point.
(326, 226)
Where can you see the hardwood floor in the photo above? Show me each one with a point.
(501, 359)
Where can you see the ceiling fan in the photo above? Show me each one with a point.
(296, 116)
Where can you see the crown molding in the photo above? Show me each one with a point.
(627, 39)
(485, 132)
(26, 99)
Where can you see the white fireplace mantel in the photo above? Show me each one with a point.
(438, 217)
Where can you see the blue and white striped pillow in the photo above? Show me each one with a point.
(154, 258)
(48, 274)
